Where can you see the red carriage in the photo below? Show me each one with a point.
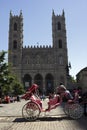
(32, 109)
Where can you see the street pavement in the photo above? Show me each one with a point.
(11, 119)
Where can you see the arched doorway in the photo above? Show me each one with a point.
(49, 83)
(38, 79)
(27, 80)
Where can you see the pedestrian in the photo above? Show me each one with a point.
(18, 98)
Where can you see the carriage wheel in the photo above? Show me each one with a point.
(66, 109)
(30, 111)
(75, 111)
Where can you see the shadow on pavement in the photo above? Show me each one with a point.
(82, 122)
(1, 106)
(54, 118)
(43, 119)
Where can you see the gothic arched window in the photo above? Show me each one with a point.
(60, 43)
(59, 26)
(15, 26)
(14, 44)
(61, 60)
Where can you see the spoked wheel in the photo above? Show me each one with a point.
(75, 111)
(66, 109)
(30, 111)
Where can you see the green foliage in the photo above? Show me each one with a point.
(73, 80)
(4, 72)
(8, 81)
(17, 87)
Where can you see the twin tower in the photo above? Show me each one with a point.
(46, 66)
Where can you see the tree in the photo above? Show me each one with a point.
(8, 81)
(17, 87)
(3, 71)
(72, 79)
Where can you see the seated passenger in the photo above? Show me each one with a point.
(54, 101)
(64, 93)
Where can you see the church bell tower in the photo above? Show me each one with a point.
(15, 42)
(60, 45)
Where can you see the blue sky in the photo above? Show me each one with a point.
(37, 16)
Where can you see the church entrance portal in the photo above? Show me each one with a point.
(49, 84)
(39, 81)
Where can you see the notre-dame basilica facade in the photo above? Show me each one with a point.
(45, 65)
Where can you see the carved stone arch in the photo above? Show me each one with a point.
(38, 79)
(15, 26)
(27, 80)
(38, 59)
(49, 81)
(27, 59)
(61, 62)
(60, 43)
(50, 59)
(59, 26)
(15, 44)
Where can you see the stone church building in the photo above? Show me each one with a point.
(45, 65)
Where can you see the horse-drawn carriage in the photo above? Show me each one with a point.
(32, 109)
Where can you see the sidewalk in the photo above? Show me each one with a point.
(11, 119)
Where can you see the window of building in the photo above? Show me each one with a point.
(15, 26)
(60, 43)
(61, 60)
(59, 26)
(14, 44)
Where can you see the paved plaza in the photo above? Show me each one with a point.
(11, 119)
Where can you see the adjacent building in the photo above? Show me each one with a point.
(82, 79)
